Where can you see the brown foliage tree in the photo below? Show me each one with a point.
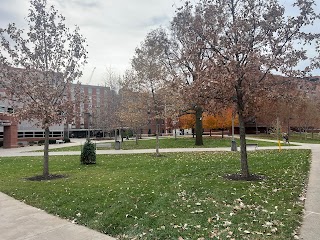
(133, 110)
(151, 74)
(41, 67)
(247, 41)
(189, 63)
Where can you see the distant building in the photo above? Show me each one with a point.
(94, 112)
(89, 105)
(310, 85)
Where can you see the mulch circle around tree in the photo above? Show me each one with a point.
(239, 177)
(155, 155)
(43, 178)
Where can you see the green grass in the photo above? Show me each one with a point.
(209, 142)
(294, 137)
(179, 194)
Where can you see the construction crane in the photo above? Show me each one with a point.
(90, 78)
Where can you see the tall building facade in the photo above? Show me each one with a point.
(94, 110)
(92, 106)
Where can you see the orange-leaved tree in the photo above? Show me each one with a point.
(187, 121)
(209, 122)
(224, 119)
(221, 120)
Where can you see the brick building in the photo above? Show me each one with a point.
(94, 110)
(92, 106)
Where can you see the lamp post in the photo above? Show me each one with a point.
(88, 119)
(289, 118)
(175, 128)
(233, 142)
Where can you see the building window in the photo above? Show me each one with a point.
(28, 134)
(57, 134)
(39, 134)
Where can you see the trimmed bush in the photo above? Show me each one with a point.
(128, 133)
(66, 140)
(51, 141)
(88, 153)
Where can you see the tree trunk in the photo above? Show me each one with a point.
(46, 153)
(137, 136)
(306, 133)
(244, 158)
(157, 139)
(222, 132)
(210, 132)
(199, 140)
(300, 132)
(122, 134)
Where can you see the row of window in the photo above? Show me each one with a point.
(55, 134)
(6, 109)
(39, 134)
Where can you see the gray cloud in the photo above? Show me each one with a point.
(113, 28)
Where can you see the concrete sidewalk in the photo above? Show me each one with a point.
(30, 150)
(310, 229)
(22, 222)
(136, 151)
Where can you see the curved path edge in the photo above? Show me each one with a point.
(20, 221)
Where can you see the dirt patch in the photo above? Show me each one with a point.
(46, 178)
(239, 177)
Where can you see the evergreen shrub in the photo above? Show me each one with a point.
(88, 153)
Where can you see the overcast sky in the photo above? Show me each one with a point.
(113, 28)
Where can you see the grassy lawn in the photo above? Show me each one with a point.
(209, 142)
(176, 195)
(294, 137)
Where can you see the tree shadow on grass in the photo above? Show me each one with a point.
(46, 178)
(240, 177)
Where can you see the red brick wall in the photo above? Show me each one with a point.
(10, 133)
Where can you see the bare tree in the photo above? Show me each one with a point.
(307, 115)
(151, 73)
(189, 61)
(277, 100)
(106, 117)
(133, 110)
(42, 63)
(248, 41)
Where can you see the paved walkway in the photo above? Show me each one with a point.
(22, 222)
(310, 229)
